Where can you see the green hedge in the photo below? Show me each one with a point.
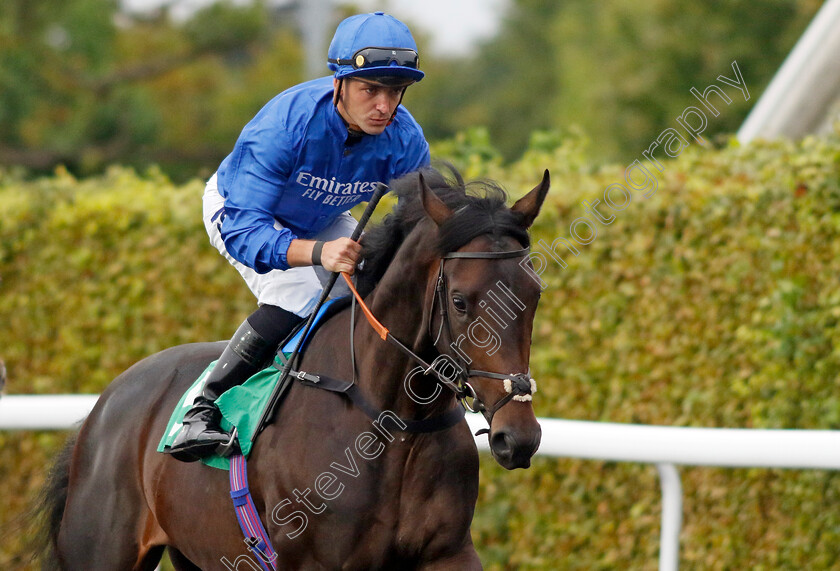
(713, 303)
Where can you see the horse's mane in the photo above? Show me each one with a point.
(479, 209)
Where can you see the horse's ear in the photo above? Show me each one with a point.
(529, 205)
(434, 206)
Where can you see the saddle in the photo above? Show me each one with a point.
(242, 406)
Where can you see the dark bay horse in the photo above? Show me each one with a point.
(335, 488)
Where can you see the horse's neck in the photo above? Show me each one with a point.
(399, 302)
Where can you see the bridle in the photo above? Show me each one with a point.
(518, 386)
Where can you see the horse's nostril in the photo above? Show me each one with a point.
(513, 449)
(502, 443)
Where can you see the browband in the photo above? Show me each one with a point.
(487, 255)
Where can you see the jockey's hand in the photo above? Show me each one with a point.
(341, 255)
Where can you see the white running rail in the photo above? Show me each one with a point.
(662, 446)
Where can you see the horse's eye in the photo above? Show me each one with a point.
(459, 303)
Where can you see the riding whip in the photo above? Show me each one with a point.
(284, 382)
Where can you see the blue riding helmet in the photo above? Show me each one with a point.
(375, 46)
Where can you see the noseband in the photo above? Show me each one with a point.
(518, 386)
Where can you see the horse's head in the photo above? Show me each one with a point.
(481, 303)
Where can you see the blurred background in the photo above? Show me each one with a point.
(87, 83)
(715, 303)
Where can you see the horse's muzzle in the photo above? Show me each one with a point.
(513, 448)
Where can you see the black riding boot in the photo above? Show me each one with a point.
(249, 351)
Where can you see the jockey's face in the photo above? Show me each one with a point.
(366, 106)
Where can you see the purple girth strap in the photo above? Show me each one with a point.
(249, 520)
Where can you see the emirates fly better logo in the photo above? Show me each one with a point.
(332, 192)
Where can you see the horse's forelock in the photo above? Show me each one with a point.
(479, 209)
(485, 214)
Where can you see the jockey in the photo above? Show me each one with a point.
(278, 206)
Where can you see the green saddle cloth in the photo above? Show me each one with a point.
(242, 407)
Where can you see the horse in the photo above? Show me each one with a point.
(446, 272)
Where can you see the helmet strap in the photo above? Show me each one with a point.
(394, 114)
(337, 94)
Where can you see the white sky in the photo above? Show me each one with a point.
(453, 25)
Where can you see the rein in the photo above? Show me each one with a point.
(518, 386)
